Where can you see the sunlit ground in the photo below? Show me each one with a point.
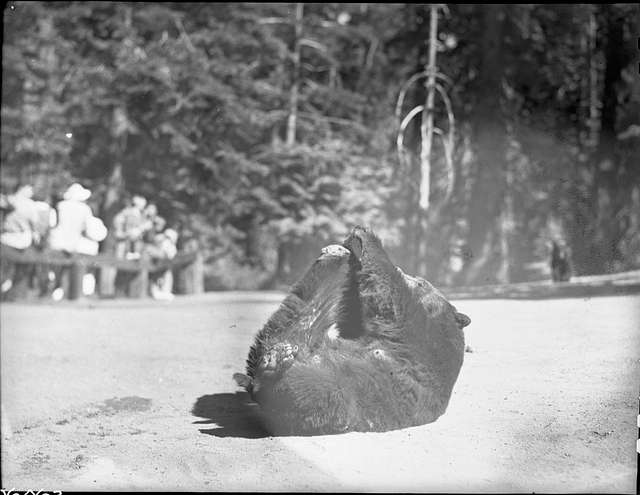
(100, 396)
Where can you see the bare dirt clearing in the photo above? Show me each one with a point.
(138, 395)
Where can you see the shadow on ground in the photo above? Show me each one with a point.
(232, 415)
(235, 415)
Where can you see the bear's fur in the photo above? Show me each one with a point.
(357, 345)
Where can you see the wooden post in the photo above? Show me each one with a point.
(190, 279)
(20, 288)
(180, 283)
(139, 284)
(107, 281)
(76, 274)
(197, 274)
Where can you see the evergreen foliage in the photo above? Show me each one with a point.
(188, 104)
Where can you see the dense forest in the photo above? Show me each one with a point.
(266, 131)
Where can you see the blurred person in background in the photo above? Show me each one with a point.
(19, 226)
(77, 231)
(46, 220)
(18, 231)
(163, 248)
(153, 223)
(129, 228)
(560, 261)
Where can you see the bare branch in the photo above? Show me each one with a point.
(329, 24)
(253, 65)
(403, 91)
(274, 20)
(410, 81)
(314, 44)
(184, 34)
(311, 68)
(320, 47)
(373, 45)
(448, 107)
(405, 122)
(345, 30)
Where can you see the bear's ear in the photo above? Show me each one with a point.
(462, 320)
(242, 380)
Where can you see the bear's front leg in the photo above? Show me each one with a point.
(383, 291)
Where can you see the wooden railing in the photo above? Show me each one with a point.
(188, 269)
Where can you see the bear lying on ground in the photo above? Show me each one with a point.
(357, 345)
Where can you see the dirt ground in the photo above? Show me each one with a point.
(123, 395)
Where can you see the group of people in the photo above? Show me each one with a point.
(138, 230)
(71, 226)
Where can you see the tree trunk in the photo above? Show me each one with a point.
(110, 206)
(295, 85)
(283, 269)
(426, 128)
(487, 195)
(580, 229)
(506, 229)
(413, 235)
(606, 192)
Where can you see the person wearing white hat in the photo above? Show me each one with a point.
(77, 193)
(78, 231)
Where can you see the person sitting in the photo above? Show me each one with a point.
(153, 223)
(19, 226)
(46, 220)
(129, 227)
(163, 247)
(77, 231)
(18, 231)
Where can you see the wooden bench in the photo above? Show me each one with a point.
(188, 267)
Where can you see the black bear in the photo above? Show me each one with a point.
(560, 262)
(357, 345)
